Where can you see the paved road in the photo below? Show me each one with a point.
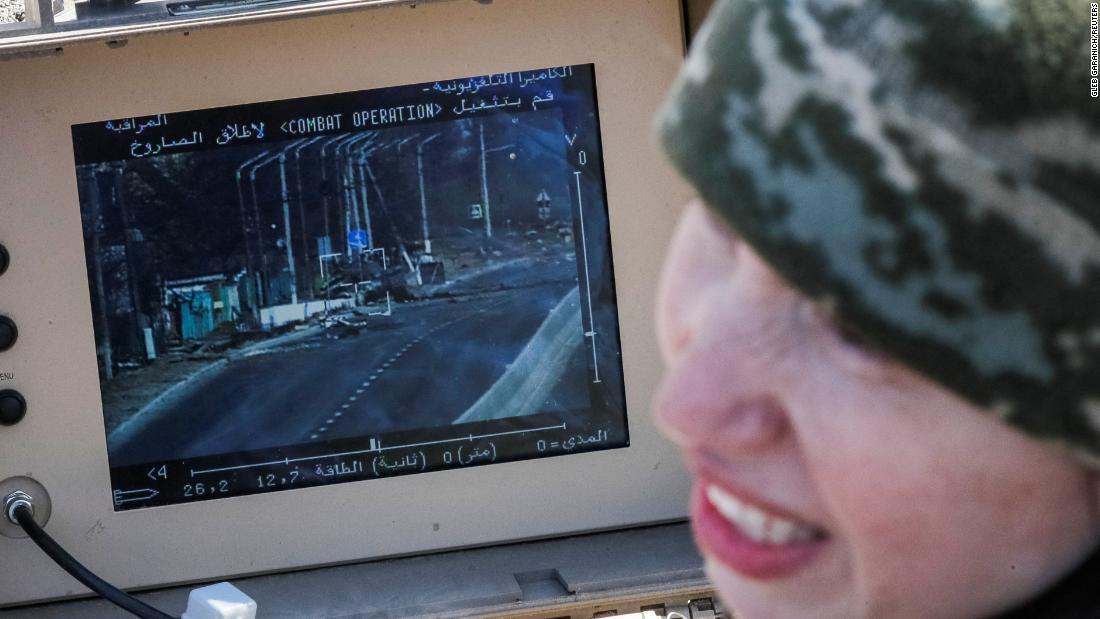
(422, 367)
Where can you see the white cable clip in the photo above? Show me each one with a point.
(220, 601)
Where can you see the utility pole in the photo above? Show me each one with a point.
(365, 151)
(91, 184)
(351, 201)
(352, 206)
(138, 334)
(423, 196)
(250, 264)
(302, 212)
(363, 198)
(281, 157)
(485, 177)
(342, 181)
(286, 230)
(349, 191)
(262, 284)
(393, 229)
(485, 182)
(356, 167)
(325, 199)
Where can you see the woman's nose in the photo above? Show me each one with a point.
(704, 403)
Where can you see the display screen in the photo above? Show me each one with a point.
(351, 286)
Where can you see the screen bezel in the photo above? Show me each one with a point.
(636, 47)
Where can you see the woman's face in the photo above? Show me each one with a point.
(832, 482)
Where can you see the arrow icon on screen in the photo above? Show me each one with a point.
(132, 496)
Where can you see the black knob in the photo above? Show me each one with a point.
(8, 333)
(5, 259)
(12, 407)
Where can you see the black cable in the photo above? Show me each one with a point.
(116, 596)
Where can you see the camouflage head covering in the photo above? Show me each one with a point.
(930, 170)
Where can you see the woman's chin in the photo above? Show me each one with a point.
(799, 598)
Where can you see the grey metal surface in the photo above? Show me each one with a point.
(517, 578)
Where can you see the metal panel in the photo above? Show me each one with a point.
(636, 46)
(116, 22)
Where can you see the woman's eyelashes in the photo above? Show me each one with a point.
(856, 342)
(852, 343)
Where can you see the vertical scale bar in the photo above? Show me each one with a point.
(587, 282)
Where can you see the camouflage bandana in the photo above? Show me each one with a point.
(930, 170)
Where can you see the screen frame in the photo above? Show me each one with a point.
(286, 459)
(636, 46)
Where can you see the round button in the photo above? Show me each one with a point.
(12, 407)
(8, 333)
(5, 259)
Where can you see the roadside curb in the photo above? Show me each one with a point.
(124, 431)
(520, 388)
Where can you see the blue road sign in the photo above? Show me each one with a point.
(359, 238)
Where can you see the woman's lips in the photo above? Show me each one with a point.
(747, 537)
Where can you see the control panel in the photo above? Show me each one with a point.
(335, 289)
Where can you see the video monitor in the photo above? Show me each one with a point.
(351, 286)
